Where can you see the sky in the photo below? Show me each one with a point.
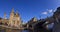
(28, 9)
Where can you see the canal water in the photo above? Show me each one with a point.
(26, 31)
(15, 30)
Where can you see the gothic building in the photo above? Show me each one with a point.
(14, 20)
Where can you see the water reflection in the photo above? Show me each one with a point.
(25, 31)
(15, 30)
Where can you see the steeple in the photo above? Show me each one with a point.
(17, 14)
(34, 19)
(12, 10)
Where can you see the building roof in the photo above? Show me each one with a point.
(57, 11)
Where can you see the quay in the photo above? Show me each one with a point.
(18, 28)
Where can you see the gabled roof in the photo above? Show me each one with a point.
(34, 19)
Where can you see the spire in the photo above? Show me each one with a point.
(12, 9)
(17, 14)
(12, 12)
(34, 19)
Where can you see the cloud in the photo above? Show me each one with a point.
(54, 10)
(44, 13)
(50, 11)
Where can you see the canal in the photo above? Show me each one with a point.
(9, 30)
(3, 29)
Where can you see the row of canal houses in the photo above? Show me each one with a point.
(49, 24)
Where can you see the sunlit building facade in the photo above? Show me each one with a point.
(14, 19)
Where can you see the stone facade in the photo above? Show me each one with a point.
(14, 19)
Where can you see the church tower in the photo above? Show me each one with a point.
(18, 20)
(11, 18)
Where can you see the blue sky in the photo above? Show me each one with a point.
(29, 8)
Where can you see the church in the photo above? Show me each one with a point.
(13, 21)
